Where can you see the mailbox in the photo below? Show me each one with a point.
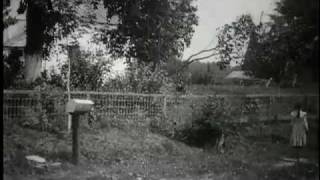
(79, 106)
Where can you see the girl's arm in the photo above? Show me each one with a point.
(306, 122)
(293, 115)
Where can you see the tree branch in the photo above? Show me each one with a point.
(200, 58)
(99, 22)
(203, 51)
(189, 60)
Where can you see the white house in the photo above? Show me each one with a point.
(14, 36)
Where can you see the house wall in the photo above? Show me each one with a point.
(15, 37)
(18, 28)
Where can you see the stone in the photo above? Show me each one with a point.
(283, 164)
(36, 159)
(55, 164)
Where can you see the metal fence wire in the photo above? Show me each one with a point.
(18, 104)
(23, 104)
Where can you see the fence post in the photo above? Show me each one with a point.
(87, 114)
(39, 108)
(164, 109)
(317, 107)
(75, 139)
(269, 108)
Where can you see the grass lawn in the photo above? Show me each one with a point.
(136, 153)
(253, 89)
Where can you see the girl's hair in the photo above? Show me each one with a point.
(298, 108)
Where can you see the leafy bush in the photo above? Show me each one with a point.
(50, 99)
(210, 120)
(31, 118)
(141, 78)
(88, 71)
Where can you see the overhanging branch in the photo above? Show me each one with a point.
(99, 22)
(192, 58)
(203, 51)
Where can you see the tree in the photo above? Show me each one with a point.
(179, 78)
(281, 49)
(233, 38)
(258, 60)
(151, 31)
(88, 72)
(288, 49)
(206, 73)
(302, 19)
(144, 78)
(164, 21)
(47, 21)
(148, 33)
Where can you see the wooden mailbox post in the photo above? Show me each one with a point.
(77, 107)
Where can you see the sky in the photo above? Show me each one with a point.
(212, 14)
(215, 13)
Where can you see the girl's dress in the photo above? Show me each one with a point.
(299, 129)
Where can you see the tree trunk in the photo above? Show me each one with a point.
(32, 69)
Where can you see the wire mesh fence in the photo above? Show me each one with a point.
(24, 104)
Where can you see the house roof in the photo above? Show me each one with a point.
(237, 75)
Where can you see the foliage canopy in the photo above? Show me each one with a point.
(149, 30)
(281, 49)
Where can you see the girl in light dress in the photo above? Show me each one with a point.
(299, 129)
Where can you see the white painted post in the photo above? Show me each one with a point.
(164, 109)
(73, 51)
(69, 96)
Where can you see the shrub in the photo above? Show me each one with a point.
(141, 78)
(31, 118)
(49, 100)
(209, 121)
